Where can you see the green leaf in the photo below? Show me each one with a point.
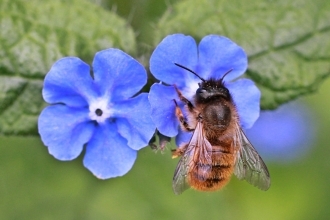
(34, 34)
(287, 42)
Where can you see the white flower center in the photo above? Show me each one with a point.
(190, 90)
(99, 110)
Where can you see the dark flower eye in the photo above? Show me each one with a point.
(98, 112)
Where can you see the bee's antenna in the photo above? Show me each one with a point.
(191, 71)
(226, 74)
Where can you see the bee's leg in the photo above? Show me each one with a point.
(190, 106)
(179, 115)
(179, 151)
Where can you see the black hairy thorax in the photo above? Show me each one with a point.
(214, 100)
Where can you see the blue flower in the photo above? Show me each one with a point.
(100, 111)
(283, 134)
(212, 58)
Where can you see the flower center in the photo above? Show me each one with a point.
(99, 110)
(190, 90)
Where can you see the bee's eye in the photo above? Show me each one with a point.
(200, 91)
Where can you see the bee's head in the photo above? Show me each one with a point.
(211, 89)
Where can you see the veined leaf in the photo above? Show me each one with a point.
(34, 34)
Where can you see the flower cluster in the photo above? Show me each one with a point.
(106, 113)
(212, 58)
(101, 112)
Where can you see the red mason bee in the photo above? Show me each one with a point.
(218, 147)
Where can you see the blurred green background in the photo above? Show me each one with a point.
(34, 185)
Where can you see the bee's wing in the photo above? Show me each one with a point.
(249, 165)
(199, 150)
(180, 183)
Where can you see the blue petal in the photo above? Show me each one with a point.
(118, 74)
(133, 120)
(69, 82)
(107, 153)
(217, 55)
(176, 48)
(65, 130)
(163, 109)
(283, 134)
(183, 137)
(246, 97)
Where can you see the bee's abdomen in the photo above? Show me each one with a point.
(210, 177)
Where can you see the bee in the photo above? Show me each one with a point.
(218, 146)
